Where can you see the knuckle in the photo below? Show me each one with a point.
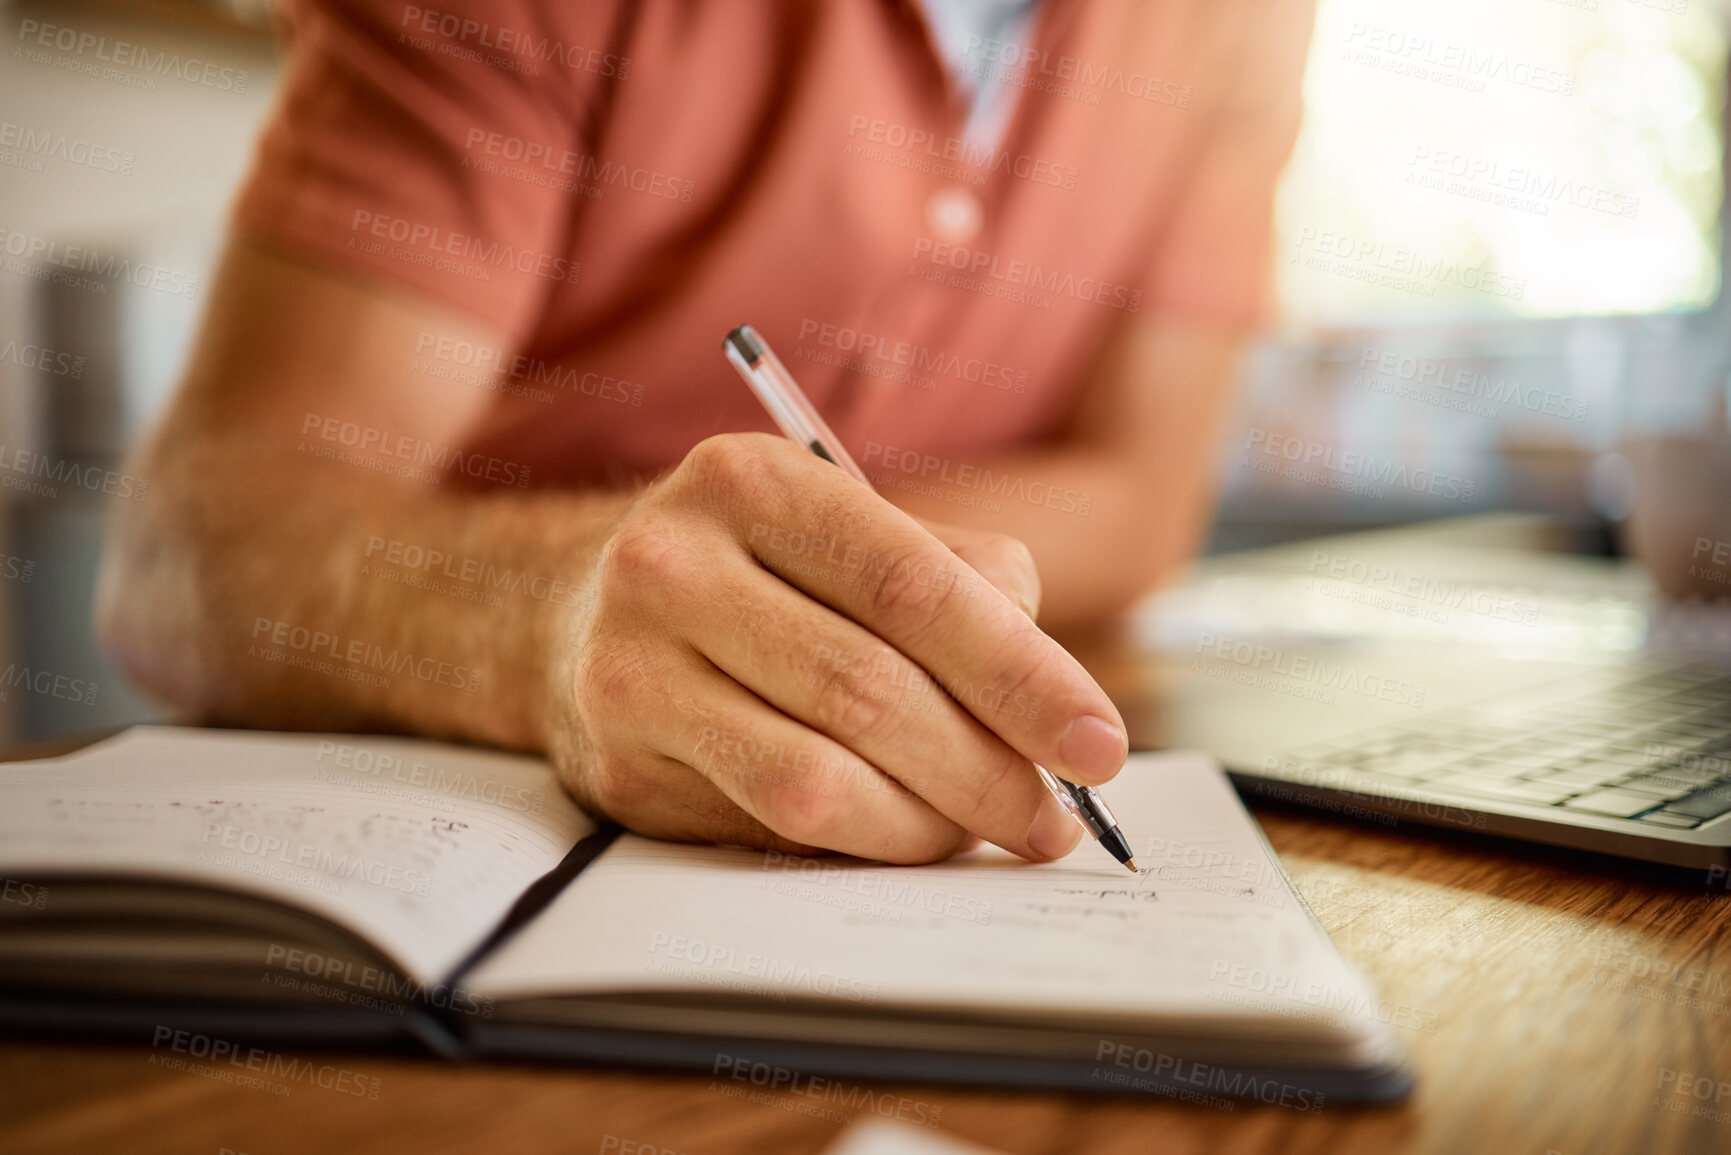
(908, 593)
(805, 809)
(1010, 691)
(704, 459)
(1025, 672)
(648, 554)
(849, 708)
(991, 784)
(729, 466)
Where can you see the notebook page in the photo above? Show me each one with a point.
(419, 847)
(1207, 933)
(881, 1137)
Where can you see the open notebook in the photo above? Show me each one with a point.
(346, 889)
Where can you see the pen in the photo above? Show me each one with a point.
(793, 413)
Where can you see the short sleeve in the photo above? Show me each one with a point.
(1214, 256)
(423, 147)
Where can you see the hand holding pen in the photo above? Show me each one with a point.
(795, 416)
(754, 653)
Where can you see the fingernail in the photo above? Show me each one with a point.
(1054, 833)
(1093, 747)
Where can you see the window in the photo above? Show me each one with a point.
(1489, 159)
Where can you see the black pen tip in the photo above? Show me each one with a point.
(1118, 846)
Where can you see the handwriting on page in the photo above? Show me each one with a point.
(982, 929)
(423, 876)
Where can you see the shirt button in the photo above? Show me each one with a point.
(955, 215)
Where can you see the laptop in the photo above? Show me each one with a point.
(1457, 674)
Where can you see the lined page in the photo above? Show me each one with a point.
(419, 847)
(1206, 933)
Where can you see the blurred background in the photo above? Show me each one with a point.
(1500, 258)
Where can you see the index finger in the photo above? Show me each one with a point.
(844, 546)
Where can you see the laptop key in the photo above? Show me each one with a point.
(1414, 761)
(1370, 782)
(1528, 762)
(1536, 792)
(1317, 753)
(1655, 749)
(1709, 803)
(1677, 821)
(1499, 768)
(1585, 777)
(1616, 803)
(1466, 742)
(1574, 748)
(1656, 789)
(1610, 768)
(1676, 776)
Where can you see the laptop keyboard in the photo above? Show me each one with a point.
(1654, 748)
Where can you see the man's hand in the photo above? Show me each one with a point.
(760, 650)
(769, 654)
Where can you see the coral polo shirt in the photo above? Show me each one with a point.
(615, 185)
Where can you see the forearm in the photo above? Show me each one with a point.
(316, 595)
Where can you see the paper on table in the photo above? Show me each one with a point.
(1207, 932)
(879, 1137)
(419, 847)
